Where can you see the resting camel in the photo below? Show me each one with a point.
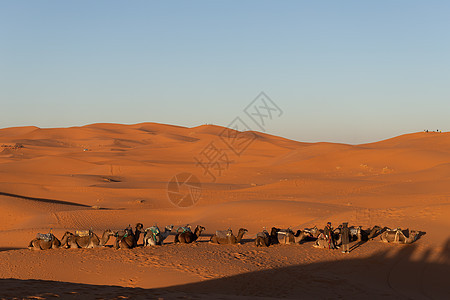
(337, 236)
(264, 239)
(398, 236)
(188, 237)
(228, 237)
(359, 234)
(126, 239)
(321, 242)
(88, 241)
(153, 236)
(288, 237)
(47, 241)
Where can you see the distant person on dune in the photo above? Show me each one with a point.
(328, 232)
(345, 238)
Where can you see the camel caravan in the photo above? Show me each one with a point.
(124, 239)
(128, 238)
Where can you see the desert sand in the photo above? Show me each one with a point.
(107, 176)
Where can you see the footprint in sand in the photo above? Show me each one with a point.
(238, 255)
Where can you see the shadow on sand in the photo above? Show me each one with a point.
(7, 249)
(46, 200)
(391, 274)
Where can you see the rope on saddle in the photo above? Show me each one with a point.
(183, 229)
(154, 230)
(127, 232)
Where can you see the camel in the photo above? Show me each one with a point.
(47, 241)
(188, 237)
(302, 235)
(359, 234)
(399, 237)
(288, 237)
(229, 237)
(88, 241)
(126, 239)
(264, 239)
(321, 242)
(153, 236)
(337, 236)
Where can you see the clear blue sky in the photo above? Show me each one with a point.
(342, 71)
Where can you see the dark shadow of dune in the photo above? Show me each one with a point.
(46, 200)
(386, 275)
(390, 274)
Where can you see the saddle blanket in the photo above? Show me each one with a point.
(263, 234)
(183, 229)
(224, 233)
(45, 236)
(82, 233)
(153, 229)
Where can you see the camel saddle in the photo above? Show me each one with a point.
(83, 233)
(154, 230)
(48, 237)
(183, 229)
(264, 234)
(285, 231)
(224, 233)
(128, 232)
(399, 234)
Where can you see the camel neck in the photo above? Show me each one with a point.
(240, 235)
(105, 238)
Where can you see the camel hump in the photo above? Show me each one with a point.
(83, 233)
(48, 237)
(264, 234)
(224, 233)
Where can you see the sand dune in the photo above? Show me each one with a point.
(106, 176)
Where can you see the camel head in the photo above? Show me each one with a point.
(109, 232)
(243, 230)
(314, 231)
(67, 234)
(199, 229)
(65, 239)
(274, 230)
(415, 234)
(169, 227)
(139, 227)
